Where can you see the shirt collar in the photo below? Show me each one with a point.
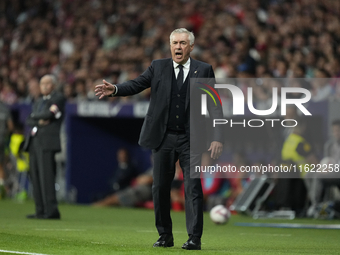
(49, 95)
(46, 97)
(186, 65)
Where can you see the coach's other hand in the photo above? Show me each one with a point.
(216, 149)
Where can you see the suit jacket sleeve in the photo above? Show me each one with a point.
(215, 111)
(137, 85)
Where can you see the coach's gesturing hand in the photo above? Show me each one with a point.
(105, 89)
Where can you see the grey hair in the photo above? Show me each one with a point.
(183, 30)
(53, 79)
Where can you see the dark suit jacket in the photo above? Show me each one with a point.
(48, 136)
(158, 76)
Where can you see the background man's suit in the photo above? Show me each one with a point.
(42, 146)
(168, 146)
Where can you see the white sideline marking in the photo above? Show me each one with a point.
(59, 229)
(265, 234)
(19, 252)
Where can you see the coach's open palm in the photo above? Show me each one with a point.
(104, 89)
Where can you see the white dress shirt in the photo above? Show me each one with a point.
(186, 69)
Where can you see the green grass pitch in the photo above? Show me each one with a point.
(84, 230)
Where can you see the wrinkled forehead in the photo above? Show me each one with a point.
(177, 37)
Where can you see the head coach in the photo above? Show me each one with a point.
(166, 130)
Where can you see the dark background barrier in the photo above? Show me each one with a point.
(91, 150)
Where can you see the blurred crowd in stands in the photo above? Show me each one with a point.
(82, 42)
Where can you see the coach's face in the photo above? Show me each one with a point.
(180, 48)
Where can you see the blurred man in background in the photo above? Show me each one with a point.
(328, 175)
(122, 176)
(129, 196)
(42, 144)
(332, 146)
(125, 172)
(6, 126)
(291, 187)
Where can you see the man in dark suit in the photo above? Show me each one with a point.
(166, 130)
(42, 144)
(6, 127)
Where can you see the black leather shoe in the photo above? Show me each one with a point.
(55, 216)
(193, 243)
(34, 216)
(164, 240)
(44, 217)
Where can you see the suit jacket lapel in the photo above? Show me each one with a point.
(166, 78)
(193, 73)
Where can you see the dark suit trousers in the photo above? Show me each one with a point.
(176, 147)
(42, 174)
